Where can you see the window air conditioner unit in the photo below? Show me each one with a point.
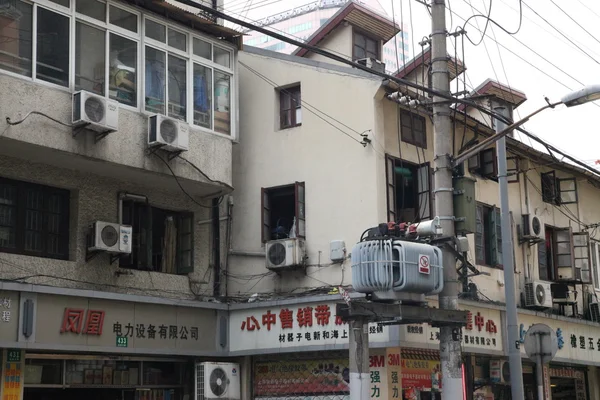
(499, 372)
(595, 311)
(109, 237)
(532, 228)
(372, 63)
(95, 112)
(168, 133)
(538, 294)
(285, 253)
(217, 381)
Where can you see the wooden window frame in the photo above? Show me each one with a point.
(408, 133)
(491, 237)
(367, 36)
(142, 238)
(20, 206)
(421, 190)
(477, 164)
(299, 210)
(294, 93)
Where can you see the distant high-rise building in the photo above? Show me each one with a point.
(301, 22)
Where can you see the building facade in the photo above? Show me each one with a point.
(330, 184)
(302, 22)
(115, 161)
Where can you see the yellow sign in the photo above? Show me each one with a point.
(12, 374)
(394, 372)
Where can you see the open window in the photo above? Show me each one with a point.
(162, 240)
(408, 190)
(558, 190)
(283, 212)
(512, 169)
(488, 236)
(484, 164)
(565, 256)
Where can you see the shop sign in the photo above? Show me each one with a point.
(385, 373)
(290, 326)
(480, 332)
(421, 374)
(12, 374)
(5, 314)
(575, 341)
(73, 321)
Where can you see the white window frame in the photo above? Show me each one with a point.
(595, 263)
(141, 42)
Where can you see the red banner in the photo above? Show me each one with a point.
(421, 374)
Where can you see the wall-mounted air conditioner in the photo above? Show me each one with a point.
(372, 63)
(538, 294)
(95, 112)
(285, 253)
(499, 371)
(532, 228)
(109, 237)
(168, 133)
(217, 381)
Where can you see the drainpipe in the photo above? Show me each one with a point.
(129, 196)
(216, 228)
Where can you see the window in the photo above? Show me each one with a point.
(564, 256)
(290, 106)
(412, 128)
(558, 191)
(111, 43)
(365, 47)
(488, 236)
(283, 212)
(484, 164)
(408, 190)
(34, 219)
(595, 259)
(162, 240)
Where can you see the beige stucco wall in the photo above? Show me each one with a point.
(124, 149)
(95, 198)
(338, 41)
(344, 180)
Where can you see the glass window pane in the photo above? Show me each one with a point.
(64, 3)
(16, 39)
(177, 40)
(298, 116)
(155, 80)
(156, 31)
(359, 52)
(202, 96)
(222, 103)
(92, 8)
(202, 49)
(222, 57)
(90, 63)
(123, 64)
(123, 19)
(177, 88)
(52, 47)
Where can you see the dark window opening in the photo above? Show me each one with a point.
(564, 256)
(412, 129)
(488, 236)
(162, 240)
(290, 107)
(408, 191)
(34, 219)
(283, 212)
(365, 47)
(558, 191)
(484, 164)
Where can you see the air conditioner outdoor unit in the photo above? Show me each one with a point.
(538, 294)
(169, 133)
(499, 371)
(372, 63)
(595, 311)
(217, 381)
(109, 237)
(532, 227)
(95, 112)
(285, 253)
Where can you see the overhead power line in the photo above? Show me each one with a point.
(577, 23)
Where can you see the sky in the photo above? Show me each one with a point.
(555, 51)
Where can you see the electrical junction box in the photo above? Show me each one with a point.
(465, 206)
(337, 250)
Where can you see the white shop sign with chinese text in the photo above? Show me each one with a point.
(293, 326)
(483, 331)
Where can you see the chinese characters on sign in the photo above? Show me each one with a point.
(12, 375)
(5, 304)
(143, 331)
(76, 320)
(479, 331)
(319, 318)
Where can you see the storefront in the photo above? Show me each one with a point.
(73, 347)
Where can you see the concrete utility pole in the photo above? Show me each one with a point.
(360, 379)
(512, 324)
(450, 343)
